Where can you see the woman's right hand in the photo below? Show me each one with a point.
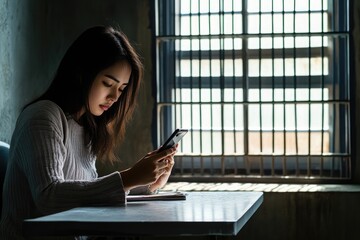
(147, 170)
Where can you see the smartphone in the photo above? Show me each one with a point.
(175, 137)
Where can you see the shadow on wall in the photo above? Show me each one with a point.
(4, 155)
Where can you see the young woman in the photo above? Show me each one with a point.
(59, 136)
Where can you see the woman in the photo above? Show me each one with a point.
(59, 136)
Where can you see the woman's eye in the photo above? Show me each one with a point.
(106, 84)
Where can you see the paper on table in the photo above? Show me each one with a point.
(162, 196)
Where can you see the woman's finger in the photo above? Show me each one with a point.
(159, 156)
(163, 164)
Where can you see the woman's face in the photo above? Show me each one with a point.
(108, 86)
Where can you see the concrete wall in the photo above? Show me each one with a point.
(356, 88)
(298, 216)
(33, 38)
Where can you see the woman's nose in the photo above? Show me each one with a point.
(114, 95)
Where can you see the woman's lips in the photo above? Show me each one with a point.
(104, 107)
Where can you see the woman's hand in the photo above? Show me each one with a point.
(154, 168)
(162, 180)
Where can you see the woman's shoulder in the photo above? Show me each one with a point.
(43, 105)
(42, 116)
(44, 110)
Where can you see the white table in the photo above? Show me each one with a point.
(202, 213)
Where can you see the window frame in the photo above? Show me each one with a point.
(163, 129)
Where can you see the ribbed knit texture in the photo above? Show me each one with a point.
(51, 169)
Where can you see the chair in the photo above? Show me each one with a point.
(4, 155)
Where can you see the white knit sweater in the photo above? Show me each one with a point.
(51, 169)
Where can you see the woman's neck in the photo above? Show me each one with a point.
(78, 116)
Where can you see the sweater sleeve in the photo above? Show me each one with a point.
(41, 158)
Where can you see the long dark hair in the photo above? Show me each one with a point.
(93, 51)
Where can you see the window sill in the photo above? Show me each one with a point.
(260, 187)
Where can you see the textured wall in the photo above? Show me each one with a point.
(8, 22)
(34, 37)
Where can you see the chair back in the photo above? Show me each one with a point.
(4, 155)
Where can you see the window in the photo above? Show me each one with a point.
(262, 85)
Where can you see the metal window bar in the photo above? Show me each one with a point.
(260, 97)
(284, 165)
(273, 93)
(299, 147)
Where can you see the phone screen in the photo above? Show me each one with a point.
(175, 137)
